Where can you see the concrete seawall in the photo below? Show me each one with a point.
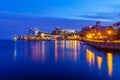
(104, 44)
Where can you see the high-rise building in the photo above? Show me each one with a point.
(30, 32)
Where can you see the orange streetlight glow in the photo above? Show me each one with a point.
(99, 33)
(109, 32)
(89, 36)
(110, 63)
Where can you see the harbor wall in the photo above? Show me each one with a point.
(104, 44)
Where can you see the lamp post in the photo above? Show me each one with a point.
(109, 34)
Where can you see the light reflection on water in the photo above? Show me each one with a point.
(43, 50)
(35, 50)
(110, 63)
(62, 47)
(63, 51)
(90, 57)
(99, 61)
(15, 51)
(56, 51)
(74, 46)
(91, 60)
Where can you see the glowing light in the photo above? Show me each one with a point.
(93, 34)
(36, 32)
(75, 36)
(89, 36)
(73, 45)
(63, 49)
(15, 51)
(99, 33)
(35, 48)
(15, 38)
(109, 32)
(75, 49)
(90, 26)
(56, 51)
(43, 51)
(90, 57)
(25, 38)
(37, 38)
(110, 63)
(99, 61)
(42, 35)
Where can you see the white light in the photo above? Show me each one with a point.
(36, 32)
(15, 38)
(42, 34)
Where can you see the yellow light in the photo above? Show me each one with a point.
(75, 36)
(90, 57)
(93, 34)
(89, 36)
(109, 32)
(75, 49)
(99, 60)
(110, 63)
(99, 33)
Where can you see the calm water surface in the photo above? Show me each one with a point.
(56, 60)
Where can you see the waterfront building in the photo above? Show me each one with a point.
(57, 34)
(35, 31)
(30, 33)
(117, 29)
(96, 31)
(56, 37)
(68, 31)
(57, 31)
(43, 35)
(60, 34)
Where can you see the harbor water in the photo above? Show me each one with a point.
(56, 60)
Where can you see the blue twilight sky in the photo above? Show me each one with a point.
(16, 16)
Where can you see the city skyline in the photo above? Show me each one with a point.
(59, 39)
(18, 16)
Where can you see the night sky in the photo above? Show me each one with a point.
(16, 16)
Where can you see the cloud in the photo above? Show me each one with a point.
(96, 19)
(101, 16)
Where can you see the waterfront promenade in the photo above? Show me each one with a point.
(113, 45)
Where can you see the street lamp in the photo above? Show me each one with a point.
(109, 32)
